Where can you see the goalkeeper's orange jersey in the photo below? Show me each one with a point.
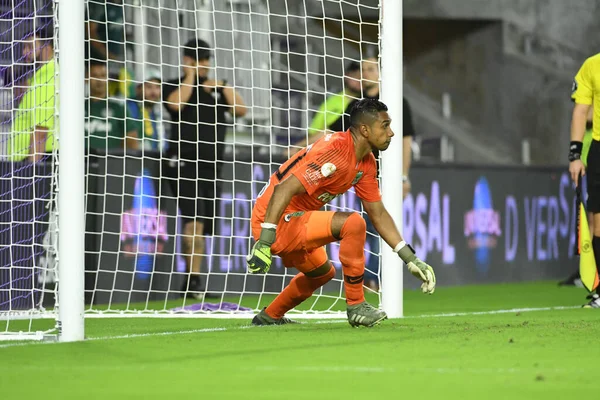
(326, 169)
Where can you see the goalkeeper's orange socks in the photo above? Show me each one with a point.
(352, 257)
(298, 290)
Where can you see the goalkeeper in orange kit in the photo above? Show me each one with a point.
(286, 220)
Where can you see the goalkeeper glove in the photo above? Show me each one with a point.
(418, 268)
(259, 259)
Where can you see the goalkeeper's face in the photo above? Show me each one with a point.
(380, 135)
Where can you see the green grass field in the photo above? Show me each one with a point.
(430, 354)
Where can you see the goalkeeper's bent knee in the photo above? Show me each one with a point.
(354, 225)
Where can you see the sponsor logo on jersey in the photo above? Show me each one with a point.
(94, 125)
(328, 169)
(312, 176)
(357, 178)
(288, 217)
(574, 87)
(106, 113)
(327, 197)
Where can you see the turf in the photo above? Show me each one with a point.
(429, 354)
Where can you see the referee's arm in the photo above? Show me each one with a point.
(578, 121)
(582, 95)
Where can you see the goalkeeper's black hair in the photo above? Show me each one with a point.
(365, 111)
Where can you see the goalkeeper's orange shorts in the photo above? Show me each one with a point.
(301, 238)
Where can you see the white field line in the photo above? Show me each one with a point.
(507, 311)
(328, 321)
(382, 370)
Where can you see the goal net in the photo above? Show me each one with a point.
(190, 106)
(28, 228)
(169, 223)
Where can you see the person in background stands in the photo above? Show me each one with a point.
(334, 113)
(197, 107)
(104, 117)
(370, 86)
(106, 40)
(33, 126)
(144, 114)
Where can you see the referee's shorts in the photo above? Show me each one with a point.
(593, 177)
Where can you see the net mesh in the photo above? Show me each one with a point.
(28, 228)
(188, 146)
(181, 135)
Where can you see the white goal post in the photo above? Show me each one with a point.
(143, 228)
(391, 171)
(42, 194)
(71, 167)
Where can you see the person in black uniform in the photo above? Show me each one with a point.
(197, 106)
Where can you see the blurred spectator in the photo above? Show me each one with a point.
(106, 41)
(104, 117)
(106, 30)
(197, 107)
(33, 126)
(333, 114)
(370, 86)
(144, 114)
(370, 77)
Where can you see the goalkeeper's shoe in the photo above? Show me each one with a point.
(364, 314)
(594, 301)
(262, 318)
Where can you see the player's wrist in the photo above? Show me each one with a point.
(405, 252)
(575, 150)
(268, 233)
